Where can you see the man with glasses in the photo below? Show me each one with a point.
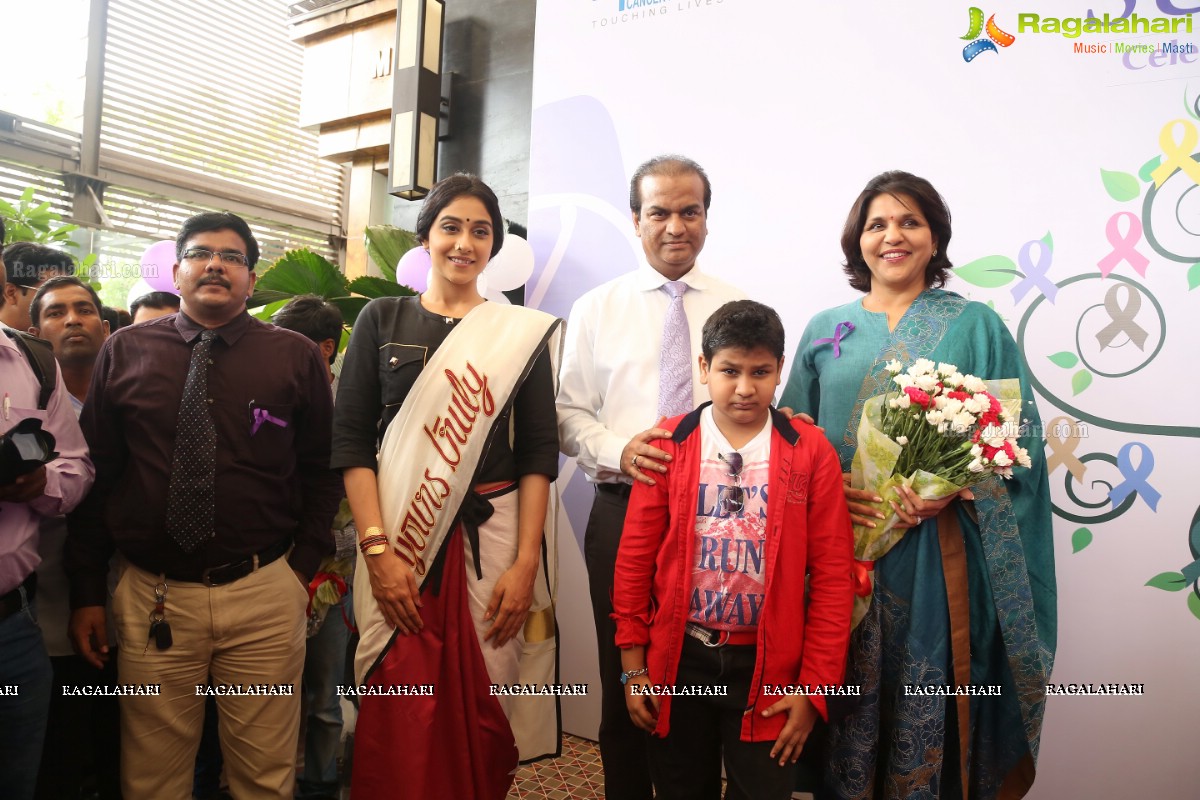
(29, 265)
(211, 434)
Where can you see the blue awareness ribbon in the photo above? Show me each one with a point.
(1135, 478)
(1035, 271)
(837, 337)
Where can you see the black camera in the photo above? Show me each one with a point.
(24, 448)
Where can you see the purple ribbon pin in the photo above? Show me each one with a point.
(261, 415)
(1035, 271)
(1124, 248)
(837, 337)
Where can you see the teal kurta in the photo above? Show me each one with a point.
(896, 745)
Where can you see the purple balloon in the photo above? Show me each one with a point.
(157, 262)
(413, 269)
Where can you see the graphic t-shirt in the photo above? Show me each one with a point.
(730, 550)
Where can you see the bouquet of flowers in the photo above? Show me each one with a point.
(937, 432)
(329, 585)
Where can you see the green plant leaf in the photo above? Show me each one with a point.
(350, 307)
(301, 272)
(386, 244)
(371, 286)
(1148, 167)
(1193, 276)
(1049, 240)
(1066, 359)
(1168, 581)
(1080, 539)
(1194, 604)
(989, 272)
(1121, 186)
(1080, 381)
(264, 313)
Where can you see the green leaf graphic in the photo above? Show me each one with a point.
(1080, 381)
(1049, 240)
(1080, 539)
(1193, 276)
(1194, 604)
(1066, 359)
(989, 272)
(1168, 581)
(1121, 186)
(1148, 167)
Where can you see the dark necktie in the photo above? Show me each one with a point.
(191, 499)
(675, 360)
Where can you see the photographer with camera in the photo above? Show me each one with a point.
(35, 482)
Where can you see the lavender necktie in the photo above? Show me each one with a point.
(191, 507)
(675, 361)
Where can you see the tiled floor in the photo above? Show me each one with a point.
(575, 775)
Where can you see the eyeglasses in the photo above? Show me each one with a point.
(734, 500)
(228, 258)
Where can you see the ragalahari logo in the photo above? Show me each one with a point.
(995, 36)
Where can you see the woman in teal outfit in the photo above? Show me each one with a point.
(979, 564)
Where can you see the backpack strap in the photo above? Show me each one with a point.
(40, 355)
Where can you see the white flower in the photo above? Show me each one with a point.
(926, 382)
(961, 422)
(975, 466)
(939, 402)
(973, 405)
(901, 440)
(1001, 459)
(976, 451)
(903, 401)
(955, 380)
(922, 366)
(946, 369)
(941, 428)
(1023, 457)
(903, 381)
(973, 385)
(934, 417)
(993, 435)
(893, 366)
(952, 405)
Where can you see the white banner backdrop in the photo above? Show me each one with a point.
(1070, 167)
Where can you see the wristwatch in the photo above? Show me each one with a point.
(633, 673)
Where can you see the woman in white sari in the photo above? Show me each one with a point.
(456, 394)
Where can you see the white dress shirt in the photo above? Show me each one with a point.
(608, 391)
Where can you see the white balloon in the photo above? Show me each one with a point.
(512, 267)
(137, 290)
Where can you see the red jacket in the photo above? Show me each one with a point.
(808, 533)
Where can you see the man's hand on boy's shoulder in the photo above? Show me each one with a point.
(802, 715)
(639, 455)
(787, 412)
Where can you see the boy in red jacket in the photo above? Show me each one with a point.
(724, 655)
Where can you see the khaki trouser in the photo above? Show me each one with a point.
(248, 633)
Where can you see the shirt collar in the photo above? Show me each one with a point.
(649, 279)
(229, 333)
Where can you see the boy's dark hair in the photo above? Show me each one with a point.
(154, 300)
(27, 263)
(314, 317)
(745, 325)
(58, 282)
(216, 221)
